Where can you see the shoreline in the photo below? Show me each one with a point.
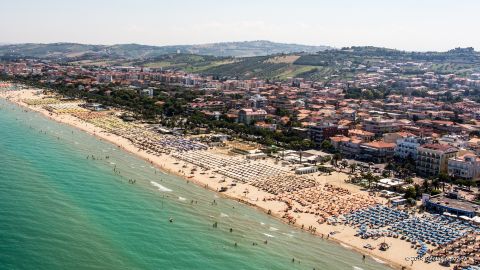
(166, 164)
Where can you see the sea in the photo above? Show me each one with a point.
(71, 201)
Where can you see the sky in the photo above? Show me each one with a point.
(415, 25)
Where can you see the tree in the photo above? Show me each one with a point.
(436, 184)
(370, 178)
(353, 167)
(410, 193)
(409, 180)
(327, 146)
(336, 157)
(426, 186)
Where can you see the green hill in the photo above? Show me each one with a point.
(79, 52)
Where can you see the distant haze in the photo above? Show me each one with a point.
(402, 24)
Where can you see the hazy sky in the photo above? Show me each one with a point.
(401, 24)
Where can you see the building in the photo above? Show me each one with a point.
(379, 126)
(257, 101)
(454, 140)
(350, 148)
(248, 116)
(395, 136)
(306, 170)
(377, 151)
(432, 159)
(391, 183)
(466, 167)
(362, 134)
(146, 92)
(322, 132)
(442, 204)
(407, 147)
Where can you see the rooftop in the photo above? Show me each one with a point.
(439, 147)
(457, 204)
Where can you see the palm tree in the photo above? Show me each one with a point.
(426, 186)
(336, 157)
(370, 178)
(353, 167)
(436, 184)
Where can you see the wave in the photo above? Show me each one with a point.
(357, 268)
(223, 215)
(345, 246)
(261, 223)
(273, 229)
(378, 260)
(182, 198)
(268, 235)
(160, 187)
(287, 234)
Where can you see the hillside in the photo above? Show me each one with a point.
(344, 63)
(79, 52)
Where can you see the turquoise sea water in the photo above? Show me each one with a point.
(60, 210)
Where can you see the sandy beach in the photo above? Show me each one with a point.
(346, 197)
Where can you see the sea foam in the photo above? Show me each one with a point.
(378, 260)
(160, 187)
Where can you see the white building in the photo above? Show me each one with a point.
(454, 140)
(408, 146)
(466, 167)
(306, 170)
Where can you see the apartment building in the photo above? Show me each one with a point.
(432, 159)
(466, 167)
(362, 134)
(322, 132)
(248, 116)
(379, 125)
(377, 151)
(407, 147)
